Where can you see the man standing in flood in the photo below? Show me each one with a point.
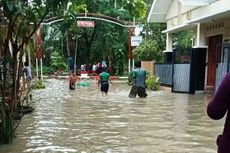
(70, 64)
(139, 76)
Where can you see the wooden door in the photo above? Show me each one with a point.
(214, 53)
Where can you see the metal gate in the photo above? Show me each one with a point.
(181, 77)
(164, 72)
(223, 65)
(181, 70)
(189, 75)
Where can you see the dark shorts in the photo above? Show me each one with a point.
(140, 91)
(71, 86)
(104, 86)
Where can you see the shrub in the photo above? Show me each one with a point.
(130, 78)
(148, 50)
(39, 85)
(57, 61)
(152, 82)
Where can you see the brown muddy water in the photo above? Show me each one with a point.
(83, 121)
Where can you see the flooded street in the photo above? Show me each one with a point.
(84, 121)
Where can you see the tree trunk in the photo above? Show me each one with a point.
(67, 43)
(15, 75)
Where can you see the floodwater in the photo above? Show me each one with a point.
(83, 121)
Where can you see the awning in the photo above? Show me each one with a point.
(210, 17)
(179, 28)
(159, 10)
(196, 2)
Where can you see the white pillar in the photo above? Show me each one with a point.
(169, 42)
(133, 63)
(41, 69)
(29, 58)
(75, 58)
(129, 66)
(37, 66)
(198, 35)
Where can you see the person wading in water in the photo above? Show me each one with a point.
(104, 82)
(72, 81)
(139, 76)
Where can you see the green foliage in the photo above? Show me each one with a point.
(39, 85)
(47, 70)
(152, 82)
(23, 19)
(6, 125)
(130, 78)
(136, 8)
(57, 61)
(182, 40)
(154, 31)
(119, 57)
(148, 51)
(105, 41)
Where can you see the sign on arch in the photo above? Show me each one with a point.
(85, 23)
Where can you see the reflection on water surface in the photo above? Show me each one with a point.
(86, 122)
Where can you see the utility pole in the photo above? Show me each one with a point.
(130, 31)
(75, 59)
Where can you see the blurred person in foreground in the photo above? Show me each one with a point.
(217, 108)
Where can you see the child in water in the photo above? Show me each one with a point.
(72, 81)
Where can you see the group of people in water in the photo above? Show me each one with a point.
(104, 80)
(216, 109)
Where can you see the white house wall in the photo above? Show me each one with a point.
(218, 27)
(214, 8)
(178, 15)
(202, 36)
(184, 13)
(186, 9)
(172, 12)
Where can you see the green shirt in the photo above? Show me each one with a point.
(139, 75)
(104, 76)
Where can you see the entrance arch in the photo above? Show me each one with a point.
(92, 16)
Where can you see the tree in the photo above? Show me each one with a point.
(148, 50)
(182, 40)
(136, 8)
(87, 40)
(94, 43)
(23, 19)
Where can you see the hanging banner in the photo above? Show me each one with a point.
(136, 40)
(85, 23)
